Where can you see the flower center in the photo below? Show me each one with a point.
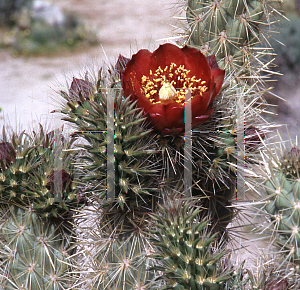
(167, 93)
(170, 84)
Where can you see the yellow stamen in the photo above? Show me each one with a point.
(159, 87)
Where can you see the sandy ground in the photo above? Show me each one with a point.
(28, 85)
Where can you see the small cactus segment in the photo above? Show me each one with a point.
(184, 248)
(86, 109)
(27, 176)
(284, 207)
(283, 201)
(33, 253)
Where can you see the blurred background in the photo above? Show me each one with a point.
(43, 44)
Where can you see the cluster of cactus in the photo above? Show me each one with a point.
(35, 231)
(140, 180)
(140, 229)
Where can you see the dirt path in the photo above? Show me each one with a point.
(27, 85)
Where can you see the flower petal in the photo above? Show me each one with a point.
(140, 64)
(168, 53)
(218, 77)
(197, 63)
(216, 73)
(167, 116)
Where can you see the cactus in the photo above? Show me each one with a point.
(235, 32)
(33, 252)
(35, 233)
(278, 203)
(282, 199)
(114, 262)
(268, 275)
(230, 29)
(27, 173)
(135, 172)
(185, 249)
(118, 209)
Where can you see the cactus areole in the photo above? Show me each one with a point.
(159, 81)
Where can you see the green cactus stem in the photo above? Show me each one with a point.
(281, 199)
(34, 253)
(231, 30)
(135, 172)
(185, 248)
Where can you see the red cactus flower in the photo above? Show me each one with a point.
(159, 81)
